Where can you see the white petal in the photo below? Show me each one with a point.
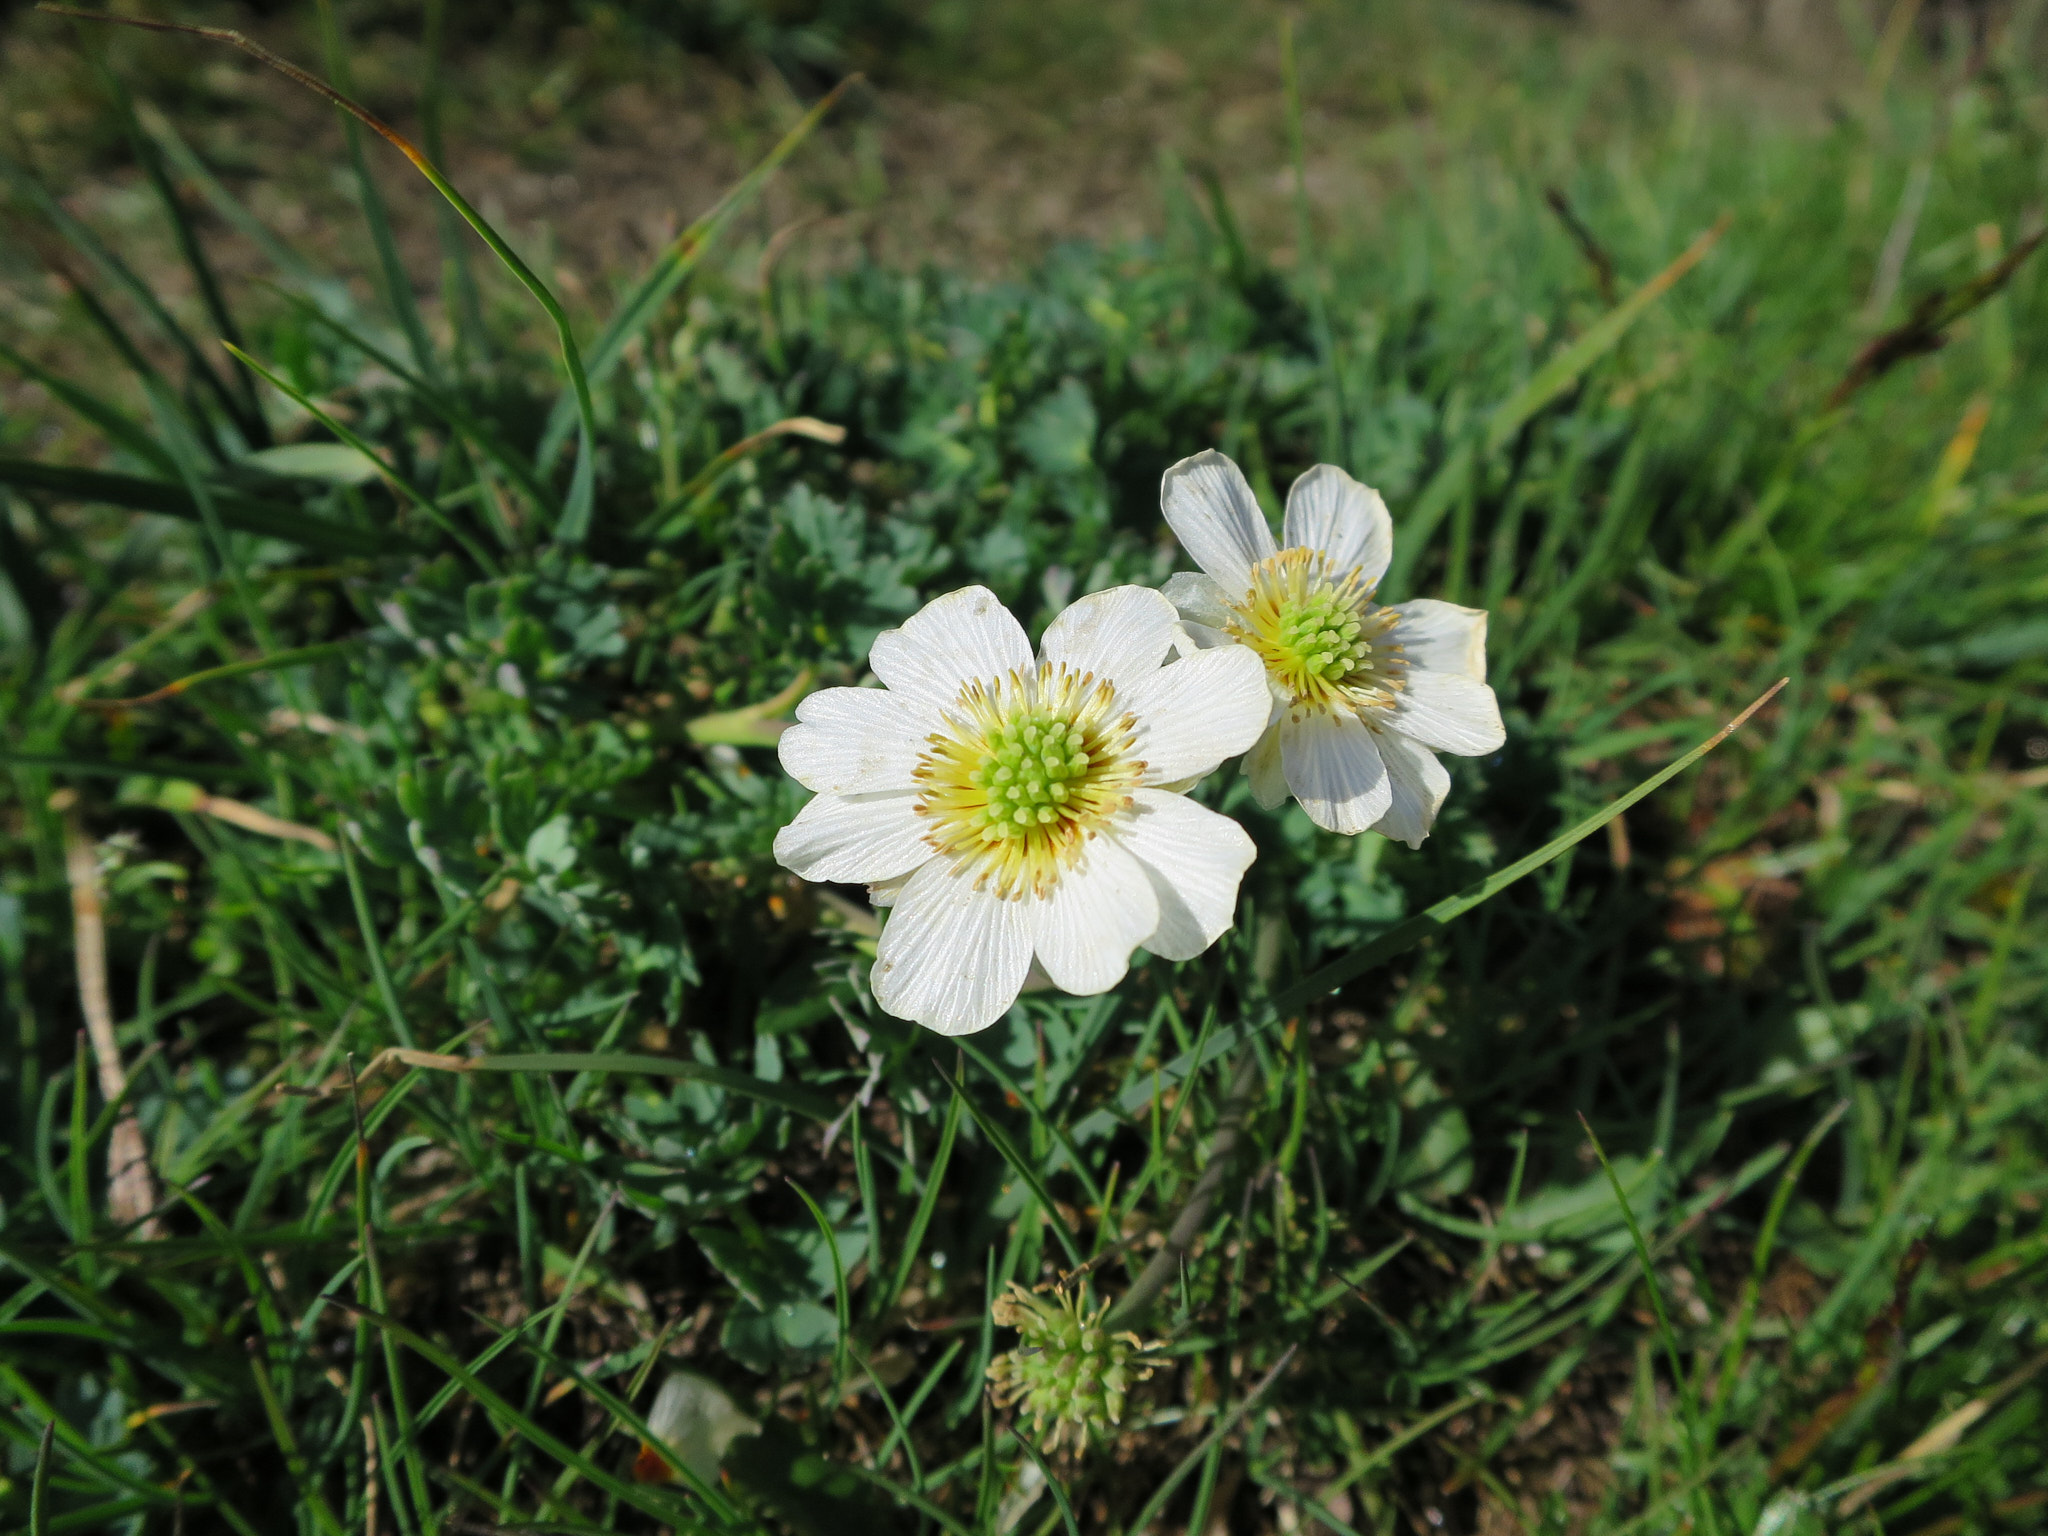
(1330, 511)
(1198, 711)
(1442, 636)
(1262, 766)
(1216, 518)
(1335, 770)
(854, 838)
(1120, 635)
(1419, 782)
(855, 741)
(1189, 637)
(952, 958)
(949, 642)
(1450, 712)
(1198, 597)
(1194, 859)
(1084, 928)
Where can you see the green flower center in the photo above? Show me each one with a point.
(1026, 770)
(1032, 763)
(1322, 638)
(1318, 636)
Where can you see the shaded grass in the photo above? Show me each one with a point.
(411, 1294)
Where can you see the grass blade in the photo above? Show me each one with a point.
(1565, 369)
(245, 514)
(928, 1202)
(120, 429)
(117, 272)
(248, 411)
(810, 1105)
(397, 282)
(1000, 1140)
(575, 520)
(644, 1500)
(677, 263)
(39, 1487)
(298, 656)
(1195, 1457)
(398, 482)
(1405, 936)
(1680, 1379)
(841, 1301)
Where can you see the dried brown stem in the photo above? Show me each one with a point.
(1589, 244)
(131, 1188)
(1158, 1273)
(283, 66)
(1926, 328)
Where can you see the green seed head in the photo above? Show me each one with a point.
(1033, 759)
(1067, 1368)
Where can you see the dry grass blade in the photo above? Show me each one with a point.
(695, 487)
(238, 814)
(1926, 329)
(131, 1188)
(1942, 1438)
(297, 657)
(1588, 243)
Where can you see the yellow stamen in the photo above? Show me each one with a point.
(1024, 772)
(1320, 634)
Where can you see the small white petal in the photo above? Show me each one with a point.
(855, 741)
(952, 958)
(1120, 635)
(1190, 637)
(1419, 782)
(1096, 912)
(1216, 518)
(1194, 859)
(1335, 770)
(1450, 712)
(1263, 767)
(948, 643)
(1198, 597)
(1442, 636)
(858, 838)
(1330, 511)
(1198, 711)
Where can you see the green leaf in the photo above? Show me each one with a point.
(808, 1491)
(246, 514)
(336, 463)
(810, 1105)
(39, 1487)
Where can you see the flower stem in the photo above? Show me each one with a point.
(1165, 1264)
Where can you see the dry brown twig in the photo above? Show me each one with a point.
(131, 1187)
(1925, 330)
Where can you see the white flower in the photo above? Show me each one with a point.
(696, 1419)
(1361, 693)
(1006, 808)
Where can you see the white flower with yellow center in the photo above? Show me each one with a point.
(1364, 695)
(1008, 808)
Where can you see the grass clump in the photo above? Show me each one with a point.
(487, 1069)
